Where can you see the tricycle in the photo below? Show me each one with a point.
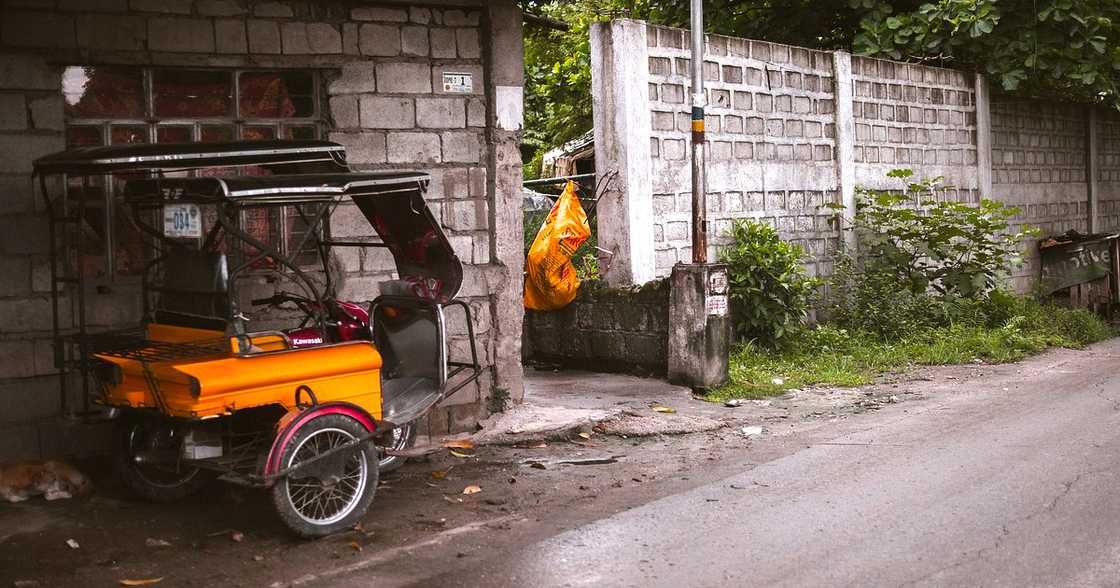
(292, 390)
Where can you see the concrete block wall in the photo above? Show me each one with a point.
(790, 129)
(1040, 155)
(382, 64)
(771, 137)
(623, 330)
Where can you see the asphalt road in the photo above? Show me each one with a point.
(1011, 480)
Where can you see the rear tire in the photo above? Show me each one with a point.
(153, 482)
(398, 439)
(331, 498)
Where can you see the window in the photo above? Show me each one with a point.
(115, 105)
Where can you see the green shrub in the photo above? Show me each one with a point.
(769, 289)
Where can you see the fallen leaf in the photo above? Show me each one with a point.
(142, 582)
(357, 546)
(659, 408)
(72, 544)
(439, 475)
(538, 465)
(540, 445)
(258, 558)
(460, 454)
(585, 435)
(453, 500)
(150, 542)
(472, 490)
(222, 532)
(237, 536)
(459, 443)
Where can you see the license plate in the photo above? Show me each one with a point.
(182, 221)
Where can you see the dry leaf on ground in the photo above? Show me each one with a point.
(472, 490)
(460, 454)
(142, 581)
(666, 409)
(459, 443)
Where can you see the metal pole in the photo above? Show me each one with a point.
(699, 99)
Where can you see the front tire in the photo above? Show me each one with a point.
(153, 482)
(331, 494)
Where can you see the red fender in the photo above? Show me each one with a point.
(272, 465)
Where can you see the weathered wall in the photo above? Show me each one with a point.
(790, 129)
(604, 330)
(384, 100)
(1039, 164)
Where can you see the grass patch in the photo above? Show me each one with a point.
(839, 357)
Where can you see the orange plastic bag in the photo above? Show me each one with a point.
(551, 282)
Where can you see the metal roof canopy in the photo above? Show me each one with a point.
(178, 156)
(277, 189)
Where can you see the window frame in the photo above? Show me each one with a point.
(152, 124)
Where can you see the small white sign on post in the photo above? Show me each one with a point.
(716, 305)
(182, 221)
(458, 82)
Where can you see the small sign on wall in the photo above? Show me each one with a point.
(182, 221)
(715, 299)
(458, 82)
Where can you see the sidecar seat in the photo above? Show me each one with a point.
(195, 290)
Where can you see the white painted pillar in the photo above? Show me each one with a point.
(620, 91)
(983, 136)
(845, 144)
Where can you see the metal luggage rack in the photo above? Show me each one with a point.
(134, 344)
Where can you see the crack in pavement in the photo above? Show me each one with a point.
(1005, 530)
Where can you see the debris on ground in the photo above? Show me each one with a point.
(472, 489)
(733, 403)
(72, 544)
(142, 582)
(458, 444)
(749, 432)
(633, 424)
(662, 408)
(151, 542)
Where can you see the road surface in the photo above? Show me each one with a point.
(1009, 480)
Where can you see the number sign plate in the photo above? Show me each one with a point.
(182, 221)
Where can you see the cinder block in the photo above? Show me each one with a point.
(230, 37)
(344, 111)
(461, 147)
(220, 7)
(293, 38)
(380, 14)
(414, 148)
(384, 112)
(28, 72)
(188, 35)
(379, 40)
(362, 148)
(443, 43)
(13, 112)
(164, 6)
(441, 113)
(264, 36)
(17, 276)
(419, 15)
(273, 10)
(414, 40)
(466, 215)
(350, 39)
(16, 156)
(467, 43)
(17, 359)
(404, 78)
(37, 29)
(476, 112)
(477, 179)
(112, 31)
(460, 18)
(355, 78)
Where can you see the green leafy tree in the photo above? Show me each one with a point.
(1064, 48)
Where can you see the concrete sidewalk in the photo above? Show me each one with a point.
(560, 404)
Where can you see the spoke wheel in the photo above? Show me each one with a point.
(156, 482)
(398, 439)
(332, 491)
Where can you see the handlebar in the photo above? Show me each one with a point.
(278, 298)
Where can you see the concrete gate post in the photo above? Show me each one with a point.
(699, 325)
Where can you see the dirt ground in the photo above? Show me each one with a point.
(229, 536)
